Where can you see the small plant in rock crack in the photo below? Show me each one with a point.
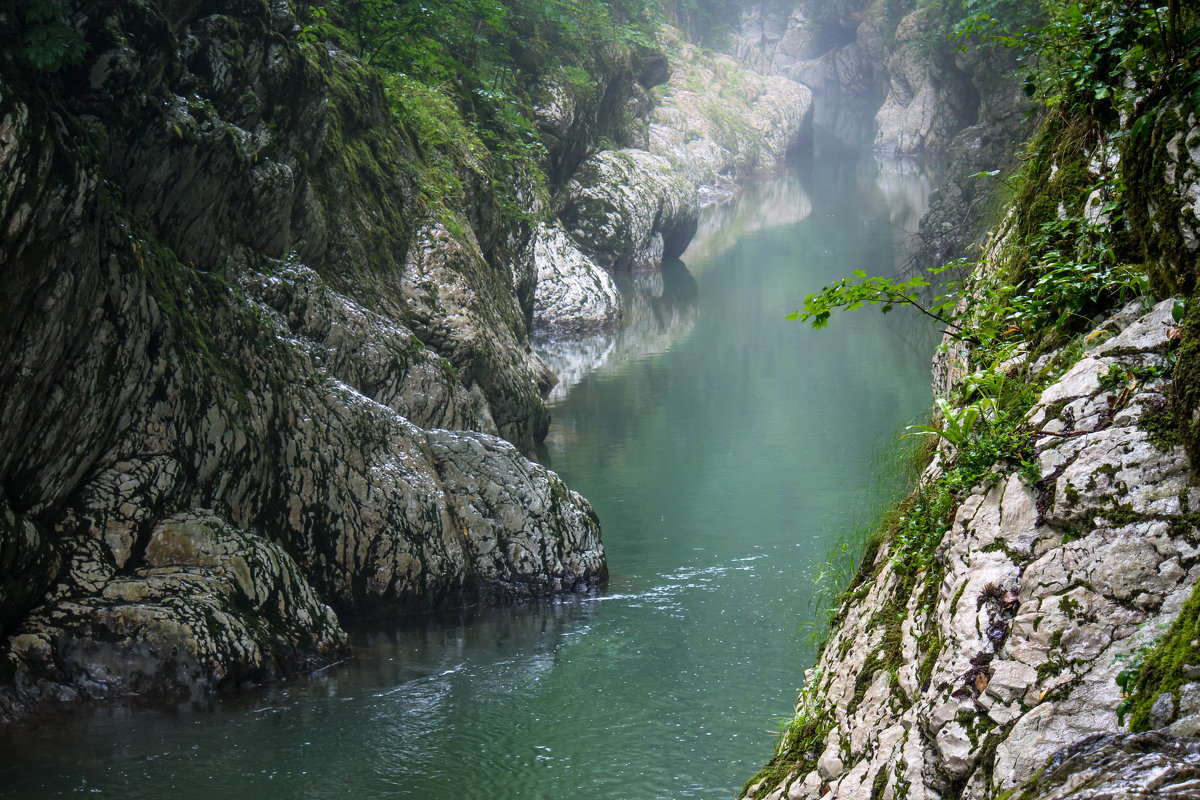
(1121, 376)
(989, 398)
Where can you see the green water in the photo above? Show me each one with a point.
(724, 449)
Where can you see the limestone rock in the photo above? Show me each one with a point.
(228, 323)
(627, 207)
(1012, 641)
(211, 606)
(715, 124)
(928, 100)
(1120, 765)
(526, 533)
(574, 294)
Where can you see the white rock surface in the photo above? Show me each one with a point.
(1041, 593)
(575, 295)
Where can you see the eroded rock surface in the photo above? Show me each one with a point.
(1011, 642)
(209, 605)
(1133, 766)
(575, 294)
(232, 343)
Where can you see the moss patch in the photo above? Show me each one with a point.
(1163, 668)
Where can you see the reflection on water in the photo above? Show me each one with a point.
(906, 184)
(660, 308)
(782, 201)
(723, 448)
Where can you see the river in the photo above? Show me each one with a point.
(725, 449)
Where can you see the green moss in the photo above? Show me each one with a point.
(957, 596)
(879, 785)
(1154, 206)
(799, 748)
(1162, 670)
(1054, 176)
(1162, 429)
(1187, 383)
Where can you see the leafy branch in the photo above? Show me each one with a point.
(887, 293)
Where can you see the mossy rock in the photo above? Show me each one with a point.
(1155, 208)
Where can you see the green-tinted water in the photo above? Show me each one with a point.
(723, 447)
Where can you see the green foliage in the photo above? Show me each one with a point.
(984, 453)
(1056, 276)
(49, 39)
(462, 75)
(1099, 54)
(957, 423)
(887, 293)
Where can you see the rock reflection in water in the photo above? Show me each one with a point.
(782, 201)
(906, 183)
(660, 306)
(660, 310)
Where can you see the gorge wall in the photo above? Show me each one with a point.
(892, 69)
(260, 371)
(1024, 625)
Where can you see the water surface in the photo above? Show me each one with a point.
(724, 449)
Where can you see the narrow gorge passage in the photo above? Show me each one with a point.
(725, 450)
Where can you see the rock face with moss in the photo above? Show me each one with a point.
(715, 124)
(252, 374)
(963, 678)
(1021, 638)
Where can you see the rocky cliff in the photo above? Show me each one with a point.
(265, 321)
(250, 375)
(890, 69)
(888, 60)
(1025, 624)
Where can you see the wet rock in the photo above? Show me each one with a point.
(1120, 765)
(575, 295)
(1162, 711)
(212, 606)
(526, 534)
